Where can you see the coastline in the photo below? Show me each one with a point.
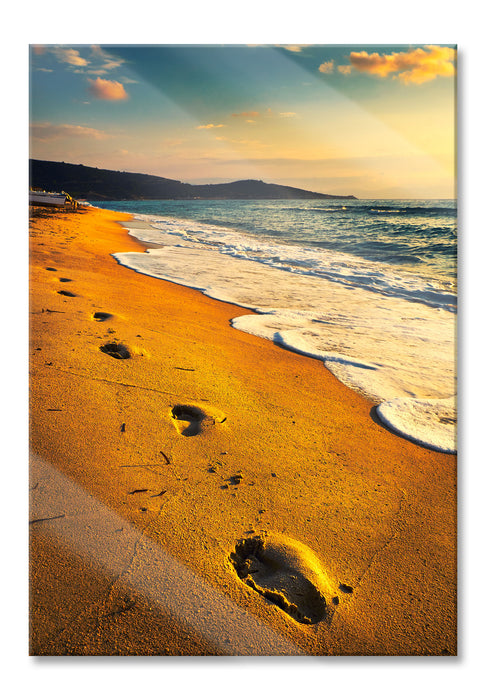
(394, 347)
(377, 511)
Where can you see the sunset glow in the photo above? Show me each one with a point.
(368, 121)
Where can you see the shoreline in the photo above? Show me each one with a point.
(279, 446)
(401, 371)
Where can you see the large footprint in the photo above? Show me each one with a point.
(285, 572)
(116, 350)
(120, 351)
(193, 420)
(101, 316)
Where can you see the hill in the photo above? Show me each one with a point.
(96, 184)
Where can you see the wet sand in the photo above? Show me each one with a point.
(196, 490)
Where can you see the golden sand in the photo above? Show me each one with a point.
(197, 490)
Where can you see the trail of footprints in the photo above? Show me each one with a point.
(283, 571)
(62, 292)
(189, 420)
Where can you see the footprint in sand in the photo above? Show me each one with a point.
(101, 316)
(116, 350)
(64, 279)
(65, 293)
(193, 420)
(287, 573)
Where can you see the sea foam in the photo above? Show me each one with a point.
(380, 330)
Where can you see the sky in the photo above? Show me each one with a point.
(373, 121)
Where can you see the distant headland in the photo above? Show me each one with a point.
(96, 184)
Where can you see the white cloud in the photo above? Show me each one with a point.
(70, 56)
(109, 62)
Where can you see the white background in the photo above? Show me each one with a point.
(253, 22)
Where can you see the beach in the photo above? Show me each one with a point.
(197, 490)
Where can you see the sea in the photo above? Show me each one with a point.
(366, 286)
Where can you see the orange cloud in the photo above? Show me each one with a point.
(210, 126)
(414, 66)
(246, 114)
(345, 70)
(49, 132)
(327, 67)
(107, 89)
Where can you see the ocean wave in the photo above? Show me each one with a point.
(320, 261)
(352, 209)
(382, 330)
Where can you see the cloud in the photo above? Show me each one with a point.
(327, 67)
(109, 62)
(96, 50)
(294, 48)
(210, 126)
(345, 70)
(70, 56)
(49, 132)
(107, 89)
(250, 115)
(415, 66)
